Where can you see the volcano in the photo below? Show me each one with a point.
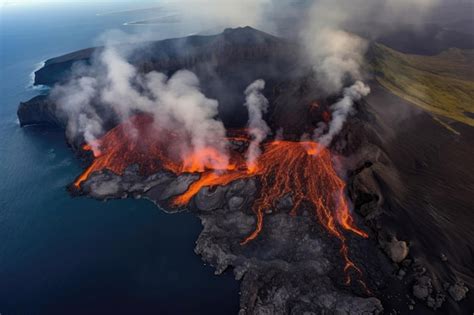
(293, 227)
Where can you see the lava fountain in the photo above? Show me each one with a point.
(302, 169)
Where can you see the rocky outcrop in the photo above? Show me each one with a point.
(58, 69)
(422, 288)
(458, 291)
(40, 111)
(396, 250)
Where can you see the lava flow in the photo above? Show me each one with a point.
(139, 141)
(303, 170)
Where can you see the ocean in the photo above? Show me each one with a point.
(65, 255)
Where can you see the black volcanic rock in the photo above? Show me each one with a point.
(293, 267)
(40, 111)
(458, 291)
(58, 69)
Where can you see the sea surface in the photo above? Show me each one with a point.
(64, 255)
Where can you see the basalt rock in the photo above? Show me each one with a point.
(40, 110)
(158, 187)
(458, 291)
(208, 199)
(289, 269)
(397, 250)
(285, 271)
(422, 288)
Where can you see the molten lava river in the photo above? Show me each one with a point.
(303, 169)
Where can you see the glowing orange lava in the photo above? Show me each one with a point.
(139, 141)
(302, 169)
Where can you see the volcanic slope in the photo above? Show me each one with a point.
(418, 190)
(442, 84)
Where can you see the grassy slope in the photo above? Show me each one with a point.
(441, 84)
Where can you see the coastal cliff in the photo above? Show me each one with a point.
(40, 110)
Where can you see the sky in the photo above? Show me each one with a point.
(42, 2)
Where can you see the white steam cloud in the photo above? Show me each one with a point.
(257, 105)
(74, 100)
(336, 55)
(176, 103)
(341, 110)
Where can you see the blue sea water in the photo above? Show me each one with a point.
(64, 255)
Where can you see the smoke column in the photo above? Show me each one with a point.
(257, 105)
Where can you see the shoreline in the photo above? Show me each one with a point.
(155, 21)
(31, 85)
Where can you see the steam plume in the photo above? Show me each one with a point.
(336, 56)
(257, 105)
(336, 53)
(342, 109)
(176, 103)
(74, 100)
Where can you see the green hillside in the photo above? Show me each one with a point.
(442, 84)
